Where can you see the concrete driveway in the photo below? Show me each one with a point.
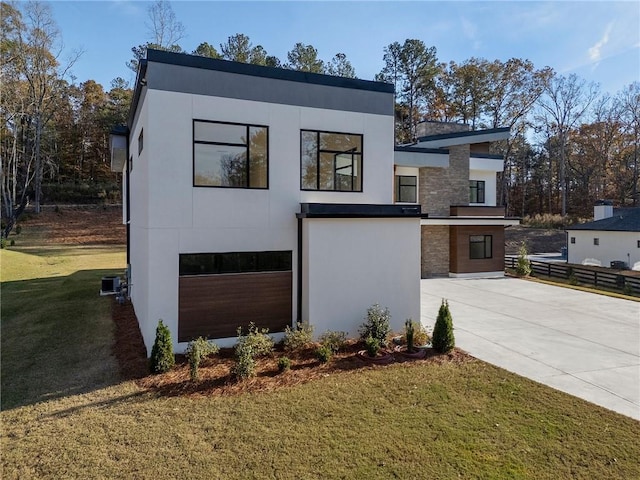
(585, 344)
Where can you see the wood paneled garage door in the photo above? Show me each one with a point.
(221, 291)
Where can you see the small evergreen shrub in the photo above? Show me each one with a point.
(162, 359)
(323, 353)
(409, 333)
(284, 364)
(376, 324)
(443, 339)
(297, 338)
(245, 365)
(12, 243)
(257, 340)
(523, 267)
(372, 346)
(334, 340)
(198, 350)
(573, 280)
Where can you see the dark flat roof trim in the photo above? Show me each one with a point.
(623, 220)
(142, 72)
(422, 150)
(195, 61)
(468, 133)
(354, 210)
(490, 156)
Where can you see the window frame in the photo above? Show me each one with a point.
(478, 191)
(573, 240)
(232, 263)
(399, 185)
(141, 141)
(319, 152)
(484, 242)
(596, 241)
(247, 146)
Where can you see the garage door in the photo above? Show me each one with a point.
(218, 292)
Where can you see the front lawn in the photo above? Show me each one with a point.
(66, 413)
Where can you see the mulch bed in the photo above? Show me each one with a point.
(215, 374)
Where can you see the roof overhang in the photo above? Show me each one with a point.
(469, 221)
(464, 138)
(118, 138)
(420, 157)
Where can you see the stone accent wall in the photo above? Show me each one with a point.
(435, 250)
(443, 187)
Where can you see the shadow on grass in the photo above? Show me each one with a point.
(57, 338)
(66, 251)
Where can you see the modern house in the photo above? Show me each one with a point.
(611, 240)
(451, 173)
(262, 194)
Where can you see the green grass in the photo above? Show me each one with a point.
(402, 421)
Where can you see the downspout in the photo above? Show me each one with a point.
(299, 289)
(128, 210)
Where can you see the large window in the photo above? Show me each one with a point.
(330, 161)
(230, 155)
(406, 188)
(476, 191)
(480, 246)
(234, 262)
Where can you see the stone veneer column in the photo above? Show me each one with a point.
(434, 250)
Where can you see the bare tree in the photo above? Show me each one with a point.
(163, 27)
(564, 103)
(629, 100)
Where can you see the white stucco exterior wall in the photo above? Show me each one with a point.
(613, 246)
(350, 264)
(170, 216)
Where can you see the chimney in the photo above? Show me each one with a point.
(602, 209)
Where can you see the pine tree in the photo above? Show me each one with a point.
(162, 359)
(443, 340)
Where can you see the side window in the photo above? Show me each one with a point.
(406, 188)
(330, 161)
(230, 155)
(573, 239)
(596, 241)
(480, 246)
(140, 141)
(476, 191)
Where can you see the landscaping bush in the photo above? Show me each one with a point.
(323, 353)
(376, 324)
(523, 267)
(420, 335)
(162, 359)
(197, 350)
(372, 346)
(409, 332)
(284, 364)
(297, 338)
(245, 365)
(443, 340)
(334, 340)
(3, 242)
(257, 340)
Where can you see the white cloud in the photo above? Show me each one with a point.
(595, 52)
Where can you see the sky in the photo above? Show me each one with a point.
(597, 40)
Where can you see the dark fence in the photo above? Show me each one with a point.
(582, 275)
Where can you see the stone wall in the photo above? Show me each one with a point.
(435, 250)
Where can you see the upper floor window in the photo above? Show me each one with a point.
(476, 191)
(330, 161)
(480, 246)
(406, 188)
(230, 155)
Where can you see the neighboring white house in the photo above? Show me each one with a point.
(262, 194)
(613, 236)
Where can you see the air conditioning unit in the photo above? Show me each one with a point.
(110, 285)
(618, 265)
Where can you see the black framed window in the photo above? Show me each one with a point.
(480, 246)
(406, 188)
(140, 141)
(230, 155)
(234, 262)
(476, 191)
(330, 161)
(573, 239)
(596, 241)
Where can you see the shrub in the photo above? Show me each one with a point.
(257, 340)
(443, 339)
(298, 338)
(3, 242)
(284, 364)
(323, 353)
(420, 335)
(162, 359)
(523, 267)
(245, 366)
(197, 350)
(409, 333)
(12, 243)
(18, 229)
(372, 346)
(376, 324)
(334, 340)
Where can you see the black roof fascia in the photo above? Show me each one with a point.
(490, 156)
(355, 210)
(466, 133)
(420, 149)
(142, 72)
(196, 61)
(119, 130)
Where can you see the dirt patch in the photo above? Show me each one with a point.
(70, 225)
(537, 240)
(216, 378)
